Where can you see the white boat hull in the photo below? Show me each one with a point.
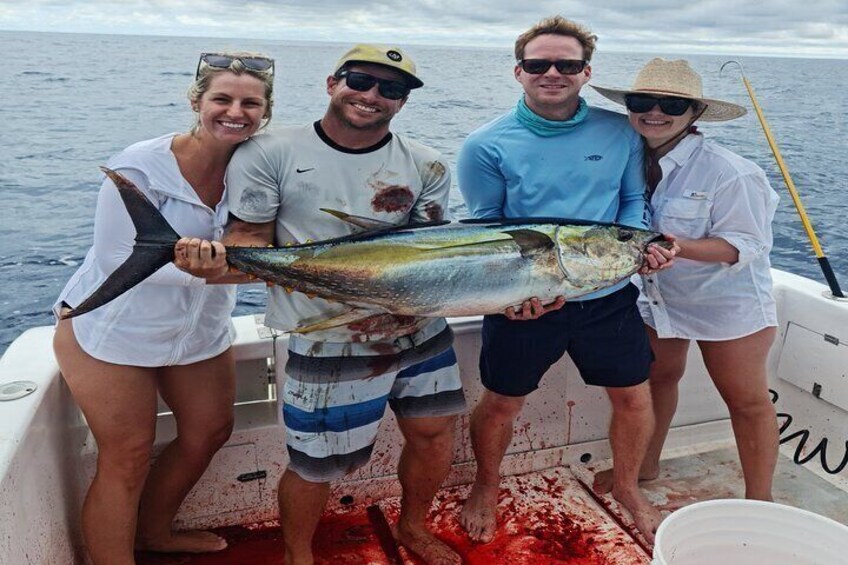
(47, 453)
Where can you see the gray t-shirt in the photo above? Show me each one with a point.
(289, 174)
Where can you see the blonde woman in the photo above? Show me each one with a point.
(720, 207)
(170, 335)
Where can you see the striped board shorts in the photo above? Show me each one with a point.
(333, 406)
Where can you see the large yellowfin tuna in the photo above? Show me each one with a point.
(430, 270)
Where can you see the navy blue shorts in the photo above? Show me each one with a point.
(605, 338)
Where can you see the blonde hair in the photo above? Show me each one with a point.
(206, 73)
(557, 25)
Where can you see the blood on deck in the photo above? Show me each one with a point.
(544, 519)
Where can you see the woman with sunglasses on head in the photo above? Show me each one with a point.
(719, 207)
(171, 334)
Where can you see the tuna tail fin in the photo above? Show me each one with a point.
(153, 249)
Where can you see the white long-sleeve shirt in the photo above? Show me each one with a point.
(707, 191)
(171, 318)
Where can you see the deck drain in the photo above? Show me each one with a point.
(16, 389)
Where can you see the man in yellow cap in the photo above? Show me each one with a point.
(339, 380)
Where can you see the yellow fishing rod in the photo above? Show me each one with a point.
(805, 220)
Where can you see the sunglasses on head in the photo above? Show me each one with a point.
(218, 61)
(563, 66)
(363, 82)
(669, 105)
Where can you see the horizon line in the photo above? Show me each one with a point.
(489, 45)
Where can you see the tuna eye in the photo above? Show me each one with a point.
(624, 235)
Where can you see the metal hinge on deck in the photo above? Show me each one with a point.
(831, 339)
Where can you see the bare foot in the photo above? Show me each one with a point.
(425, 545)
(603, 480)
(192, 541)
(647, 517)
(479, 514)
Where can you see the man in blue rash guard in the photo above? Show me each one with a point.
(553, 155)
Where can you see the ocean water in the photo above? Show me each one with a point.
(71, 101)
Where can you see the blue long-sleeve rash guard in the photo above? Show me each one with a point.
(592, 172)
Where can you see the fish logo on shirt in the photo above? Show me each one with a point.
(593, 157)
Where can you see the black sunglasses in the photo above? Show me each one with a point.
(258, 64)
(563, 66)
(669, 105)
(363, 82)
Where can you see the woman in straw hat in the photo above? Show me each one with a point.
(719, 207)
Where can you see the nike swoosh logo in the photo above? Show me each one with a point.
(305, 170)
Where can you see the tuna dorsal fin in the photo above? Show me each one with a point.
(530, 241)
(359, 221)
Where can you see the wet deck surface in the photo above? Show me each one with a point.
(717, 474)
(546, 518)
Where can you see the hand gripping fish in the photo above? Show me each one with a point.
(431, 270)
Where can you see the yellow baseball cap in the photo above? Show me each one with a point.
(387, 56)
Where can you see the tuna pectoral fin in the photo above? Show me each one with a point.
(154, 247)
(349, 317)
(530, 241)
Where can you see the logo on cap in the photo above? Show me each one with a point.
(394, 55)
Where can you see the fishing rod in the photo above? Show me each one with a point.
(824, 263)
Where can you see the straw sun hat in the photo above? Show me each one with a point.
(674, 78)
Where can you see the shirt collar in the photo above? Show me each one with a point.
(685, 149)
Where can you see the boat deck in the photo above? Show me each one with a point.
(546, 517)
(550, 517)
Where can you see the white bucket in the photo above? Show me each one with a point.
(749, 532)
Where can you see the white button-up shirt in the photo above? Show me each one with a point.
(709, 192)
(170, 318)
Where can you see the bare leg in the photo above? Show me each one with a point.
(424, 463)
(630, 432)
(738, 369)
(664, 376)
(491, 434)
(201, 395)
(119, 403)
(301, 505)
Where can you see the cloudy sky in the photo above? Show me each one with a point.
(751, 27)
